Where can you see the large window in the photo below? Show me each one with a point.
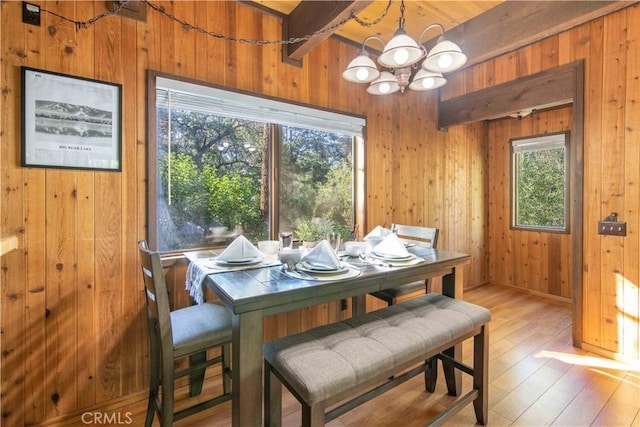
(224, 163)
(539, 184)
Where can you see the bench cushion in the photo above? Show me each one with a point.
(331, 359)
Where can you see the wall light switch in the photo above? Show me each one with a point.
(612, 228)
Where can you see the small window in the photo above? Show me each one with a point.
(539, 183)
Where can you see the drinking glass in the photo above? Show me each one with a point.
(286, 239)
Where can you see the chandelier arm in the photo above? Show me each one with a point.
(436, 25)
(378, 38)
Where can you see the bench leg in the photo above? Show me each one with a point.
(312, 416)
(481, 374)
(431, 375)
(452, 376)
(272, 398)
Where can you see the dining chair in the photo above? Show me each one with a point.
(417, 235)
(173, 335)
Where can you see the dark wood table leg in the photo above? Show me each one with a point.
(452, 287)
(247, 369)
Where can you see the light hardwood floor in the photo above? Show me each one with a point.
(537, 378)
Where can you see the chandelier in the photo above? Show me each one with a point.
(400, 57)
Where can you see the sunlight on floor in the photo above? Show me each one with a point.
(590, 361)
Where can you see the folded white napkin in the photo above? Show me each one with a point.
(322, 256)
(240, 249)
(391, 247)
(378, 231)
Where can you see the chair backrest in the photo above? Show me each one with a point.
(424, 236)
(158, 308)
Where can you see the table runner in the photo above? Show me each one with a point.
(198, 271)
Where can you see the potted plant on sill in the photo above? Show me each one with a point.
(309, 231)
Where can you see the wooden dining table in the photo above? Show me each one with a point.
(253, 294)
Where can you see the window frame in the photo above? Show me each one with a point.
(358, 154)
(513, 197)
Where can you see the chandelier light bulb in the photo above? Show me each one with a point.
(384, 88)
(428, 83)
(445, 61)
(362, 74)
(401, 56)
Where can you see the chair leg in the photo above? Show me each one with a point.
(151, 410)
(167, 392)
(196, 378)
(481, 374)
(154, 376)
(226, 368)
(272, 398)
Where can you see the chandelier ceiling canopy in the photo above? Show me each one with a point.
(400, 57)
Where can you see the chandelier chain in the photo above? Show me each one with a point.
(118, 5)
(83, 25)
(375, 21)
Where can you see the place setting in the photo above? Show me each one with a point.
(319, 263)
(392, 252)
(241, 254)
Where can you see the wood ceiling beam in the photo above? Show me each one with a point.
(514, 24)
(311, 16)
(542, 90)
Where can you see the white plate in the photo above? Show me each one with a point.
(307, 268)
(392, 258)
(239, 261)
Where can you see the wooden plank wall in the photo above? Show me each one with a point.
(611, 271)
(72, 311)
(72, 307)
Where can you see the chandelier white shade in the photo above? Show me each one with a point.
(401, 51)
(361, 69)
(399, 57)
(445, 56)
(386, 84)
(427, 80)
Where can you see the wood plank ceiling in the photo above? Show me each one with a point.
(483, 29)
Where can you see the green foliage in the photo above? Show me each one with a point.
(216, 177)
(334, 198)
(540, 188)
(233, 200)
(316, 177)
(309, 231)
(188, 196)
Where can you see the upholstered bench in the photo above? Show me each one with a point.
(362, 357)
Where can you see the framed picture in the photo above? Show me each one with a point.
(70, 122)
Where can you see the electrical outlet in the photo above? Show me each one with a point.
(612, 228)
(343, 304)
(30, 13)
